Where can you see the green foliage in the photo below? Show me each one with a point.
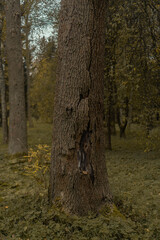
(150, 144)
(145, 142)
(132, 56)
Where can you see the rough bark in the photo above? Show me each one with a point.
(109, 113)
(3, 105)
(2, 83)
(113, 98)
(17, 115)
(78, 169)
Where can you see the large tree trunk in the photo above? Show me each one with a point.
(108, 112)
(2, 83)
(17, 115)
(78, 170)
(4, 105)
(114, 97)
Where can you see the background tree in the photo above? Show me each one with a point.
(36, 16)
(17, 115)
(132, 44)
(26, 10)
(43, 81)
(78, 170)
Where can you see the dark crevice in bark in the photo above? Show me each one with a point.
(92, 174)
(90, 57)
(83, 154)
(94, 7)
(80, 97)
(83, 95)
(69, 111)
(91, 47)
(84, 148)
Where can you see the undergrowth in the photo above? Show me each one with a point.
(135, 182)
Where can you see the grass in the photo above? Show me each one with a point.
(134, 174)
(40, 134)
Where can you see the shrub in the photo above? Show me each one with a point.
(38, 164)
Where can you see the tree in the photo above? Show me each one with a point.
(37, 15)
(27, 5)
(43, 80)
(17, 115)
(2, 80)
(78, 167)
(132, 46)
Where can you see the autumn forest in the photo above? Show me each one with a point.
(79, 119)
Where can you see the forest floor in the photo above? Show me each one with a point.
(134, 175)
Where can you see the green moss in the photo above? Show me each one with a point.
(111, 211)
(3, 184)
(16, 156)
(115, 212)
(134, 177)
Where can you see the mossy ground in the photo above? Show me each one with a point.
(134, 174)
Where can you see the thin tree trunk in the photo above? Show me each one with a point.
(17, 115)
(28, 74)
(130, 116)
(78, 170)
(123, 125)
(2, 83)
(113, 124)
(149, 122)
(28, 87)
(130, 107)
